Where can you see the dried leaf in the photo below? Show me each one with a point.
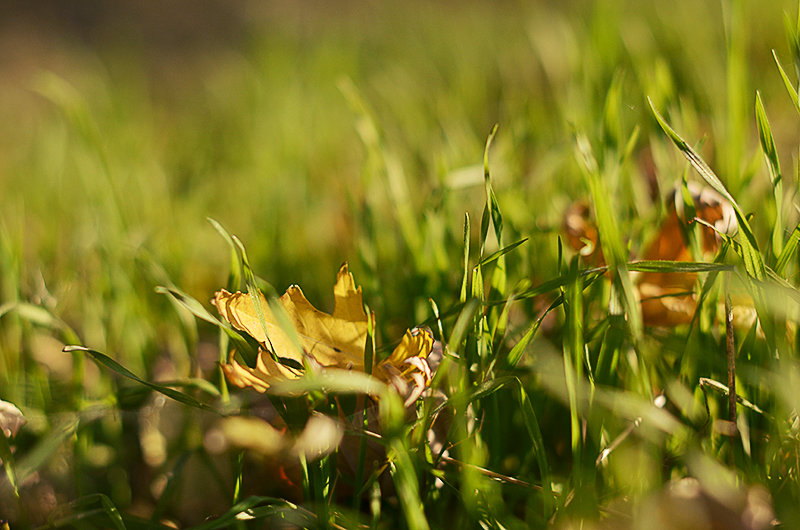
(667, 298)
(336, 340)
(11, 419)
(582, 233)
(408, 368)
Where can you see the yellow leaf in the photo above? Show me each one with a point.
(407, 368)
(336, 340)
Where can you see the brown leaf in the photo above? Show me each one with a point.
(667, 298)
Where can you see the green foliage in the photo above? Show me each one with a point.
(319, 137)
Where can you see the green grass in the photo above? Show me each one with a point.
(319, 137)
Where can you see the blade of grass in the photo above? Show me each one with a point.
(590, 275)
(771, 155)
(64, 429)
(665, 266)
(235, 274)
(10, 468)
(250, 509)
(787, 83)
(197, 309)
(492, 210)
(117, 368)
(535, 432)
(502, 252)
(491, 213)
(107, 507)
(278, 311)
(465, 279)
(332, 381)
(788, 250)
(573, 346)
(405, 479)
(610, 236)
(519, 348)
(750, 255)
(722, 389)
(389, 167)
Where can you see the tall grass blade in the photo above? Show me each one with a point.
(535, 432)
(407, 484)
(751, 257)
(9, 466)
(465, 279)
(117, 368)
(83, 513)
(492, 210)
(518, 350)
(773, 163)
(610, 236)
(247, 350)
(500, 253)
(573, 345)
(665, 266)
(277, 309)
(236, 271)
(787, 252)
(787, 83)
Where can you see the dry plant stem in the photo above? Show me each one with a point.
(731, 347)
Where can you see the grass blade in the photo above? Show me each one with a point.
(117, 368)
(610, 236)
(573, 346)
(502, 252)
(246, 510)
(753, 263)
(465, 279)
(407, 484)
(235, 274)
(788, 251)
(532, 426)
(35, 458)
(7, 458)
(81, 505)
(519, 348)
(663, 266)
(771, 154)
(787, 83)
(247, 350)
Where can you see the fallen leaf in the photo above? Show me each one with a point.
(582, 233)
(408, 368)
(11, 419)
(667, 299)
(328, 340)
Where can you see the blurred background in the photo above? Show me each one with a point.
(323, 132)
(128, 124)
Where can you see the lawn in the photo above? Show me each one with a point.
(571, 290)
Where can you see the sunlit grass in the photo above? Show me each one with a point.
(436, 151)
